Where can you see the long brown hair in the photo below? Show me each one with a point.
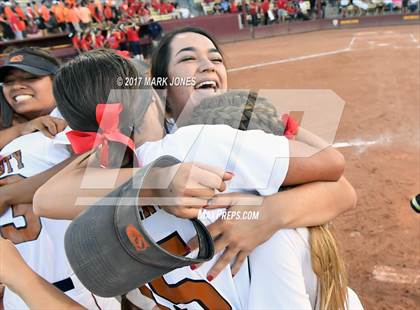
(244, 111)
(95, 77)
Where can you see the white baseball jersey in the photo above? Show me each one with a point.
(284, 261)
(231, 150)
(39, 240)
(280, 269)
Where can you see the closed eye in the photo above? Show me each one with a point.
(187, 59)
(218, 60)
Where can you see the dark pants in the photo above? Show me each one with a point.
(254, 20)
(135, 48)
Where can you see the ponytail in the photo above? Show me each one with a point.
(329, 268)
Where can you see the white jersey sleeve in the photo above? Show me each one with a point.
(258, 160)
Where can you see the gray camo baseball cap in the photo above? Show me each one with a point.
(111, 252)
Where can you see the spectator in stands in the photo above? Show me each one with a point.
(224, 5)
(265, 7)
(184, 12)
(84, 15)
(303, 10)
(52, 25)
(413, 5)
(134, 41)
(217, 9)
(291, 10)
(155, 32)
(344, 4)
(253, 11)
(404, 8)
(163, 8)
(109, 15)
(30, 13)
(71, 18)
(5, 29)
(113, 39)
(45, 12)
(58, 10)
(233, 8)
(282, 10)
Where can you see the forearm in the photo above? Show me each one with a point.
(310, 164)
(77, 189)
(310, 204)
(22, 192)
(311, 139)
(39, 294)
(9, 134)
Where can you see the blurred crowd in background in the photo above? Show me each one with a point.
(95, 23)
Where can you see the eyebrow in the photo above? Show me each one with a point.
(193, 49)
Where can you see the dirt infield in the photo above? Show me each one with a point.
(377, 73)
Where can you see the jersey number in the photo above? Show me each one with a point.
(21, 224)
(186, 290)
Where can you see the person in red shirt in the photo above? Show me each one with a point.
(108, 13)
(98, 39)
(265, 7)
(8, 11)
(171, 8)
(122, 39)
(13, 20)
(123, 7)
(20, 12)
(163, 8)
(131, 11)
(75, 40)
(155, 4)
(233, 7)
(134, 41)
(282, 10)
(85, 42)
(21, 26)
(291, 10)
(112, 40)
(253, 10)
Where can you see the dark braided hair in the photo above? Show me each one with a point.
(240, 110)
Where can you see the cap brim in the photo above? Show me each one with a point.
(29, 69)
(100, 254)
(98, 258)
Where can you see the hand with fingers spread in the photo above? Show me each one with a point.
(191, 186)
(237, 237)
(48, 125)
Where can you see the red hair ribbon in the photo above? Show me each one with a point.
(125, 54)
(107, 116)
(290, 126)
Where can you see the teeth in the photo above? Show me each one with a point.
(22, 97)
(205, 83)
